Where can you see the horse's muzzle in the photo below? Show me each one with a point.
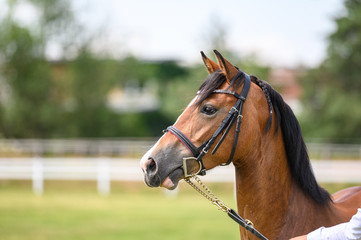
(151, 176)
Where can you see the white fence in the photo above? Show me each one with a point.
(104, 170)
(88, 147)
(137, 147)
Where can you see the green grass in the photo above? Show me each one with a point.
(133, 211)
(74, 211)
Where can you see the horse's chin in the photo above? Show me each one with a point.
(171, 182)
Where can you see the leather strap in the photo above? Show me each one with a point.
(247, 84)
(246, 224)
(194, 150)
(227, 91)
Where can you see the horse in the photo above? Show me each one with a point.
(275, 185)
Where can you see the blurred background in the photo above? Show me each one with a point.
(86, 87)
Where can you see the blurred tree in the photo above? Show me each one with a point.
(169, 70)
(332, 91)
(178, 93)
(30, 111)
(89, 89)
(40, 98)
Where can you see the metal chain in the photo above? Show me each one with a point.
(207, 193)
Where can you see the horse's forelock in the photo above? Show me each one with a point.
(212, 82)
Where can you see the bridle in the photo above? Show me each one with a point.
(234, 113)
(199, 152)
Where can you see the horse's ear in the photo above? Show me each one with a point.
(210, 65)
(226, 67)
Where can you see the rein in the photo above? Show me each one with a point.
(235, 113)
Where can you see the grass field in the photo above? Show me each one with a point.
(74, 211)
(132, 211)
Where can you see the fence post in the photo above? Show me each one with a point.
(38, 176)
(103, 178)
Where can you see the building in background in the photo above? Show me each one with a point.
(285, 81)
(134, 97)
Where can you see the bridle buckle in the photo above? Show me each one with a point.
(204, 150)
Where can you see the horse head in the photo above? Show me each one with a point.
(164, 164)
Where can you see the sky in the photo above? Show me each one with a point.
(279, 32)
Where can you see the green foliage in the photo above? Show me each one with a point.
(344, 60)
(88, 93)
(332, 91)
(28, 77)
(66, 98)
(69, 98)
(177, 94)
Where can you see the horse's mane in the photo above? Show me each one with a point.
(295, 146)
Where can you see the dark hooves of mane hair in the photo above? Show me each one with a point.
(295, 147)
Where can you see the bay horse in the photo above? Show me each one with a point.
(275, 186)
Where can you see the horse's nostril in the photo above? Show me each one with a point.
(151, 166)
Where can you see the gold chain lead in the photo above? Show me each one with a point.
(207, 193)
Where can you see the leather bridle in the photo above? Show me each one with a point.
(199, 152)
(234, 113)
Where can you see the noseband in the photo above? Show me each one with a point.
(234, 113)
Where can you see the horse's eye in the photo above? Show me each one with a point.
(208, 110)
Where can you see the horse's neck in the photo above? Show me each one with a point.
(267, 195)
